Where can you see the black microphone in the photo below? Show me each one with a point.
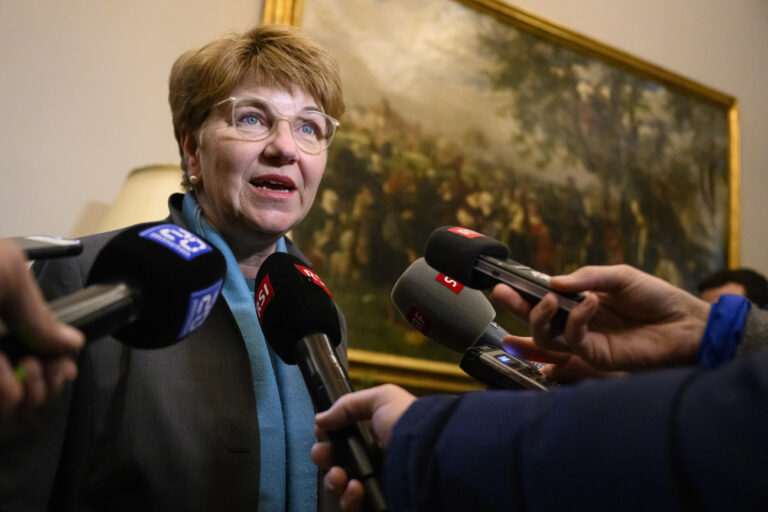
(300, 323)
(461, 319)
(479, 261)
(150, 286)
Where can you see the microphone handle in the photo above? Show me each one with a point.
(531, 284)
(492, 336)
(356, 445)
(96, 310)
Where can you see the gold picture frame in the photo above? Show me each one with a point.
(423, 374)
(283, 12)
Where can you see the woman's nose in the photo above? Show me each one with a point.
(281, 142)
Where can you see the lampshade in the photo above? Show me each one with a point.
(143, 196)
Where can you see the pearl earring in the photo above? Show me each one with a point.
(193, 179)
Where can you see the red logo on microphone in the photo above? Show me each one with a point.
(466, 233)
(419, 320)
(314, 278)
(263, 294)
(449, 283)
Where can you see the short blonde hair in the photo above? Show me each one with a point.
(272, 55)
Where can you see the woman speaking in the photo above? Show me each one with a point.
(216, 422)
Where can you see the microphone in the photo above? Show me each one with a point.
(38, 247)
(299, 319)
(445, 310)
(479, 261)
(461, 319)
(150, 286)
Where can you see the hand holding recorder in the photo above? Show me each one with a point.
(630, 320)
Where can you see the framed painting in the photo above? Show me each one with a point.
(478, 114)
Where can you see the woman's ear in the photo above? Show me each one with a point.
(190, 154)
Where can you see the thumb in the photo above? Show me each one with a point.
(352, 407)
(525, 348)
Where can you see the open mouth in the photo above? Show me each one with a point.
(273, 183)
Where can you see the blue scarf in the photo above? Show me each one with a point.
(283, 405)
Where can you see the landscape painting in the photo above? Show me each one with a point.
(479, 115)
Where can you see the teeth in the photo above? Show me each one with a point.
(271, 185)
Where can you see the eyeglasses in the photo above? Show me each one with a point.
(256, 119)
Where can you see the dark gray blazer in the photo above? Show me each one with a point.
(167, 429)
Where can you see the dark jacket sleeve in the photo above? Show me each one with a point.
(683, 439)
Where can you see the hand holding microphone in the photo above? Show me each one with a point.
(382, 406)
(150, 286)
(629, 321)
(22, 309)
(300, 322)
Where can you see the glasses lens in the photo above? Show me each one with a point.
(312, 131)
(252, 117)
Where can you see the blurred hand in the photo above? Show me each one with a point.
(630, 320)
(24, 312)
(383, 406)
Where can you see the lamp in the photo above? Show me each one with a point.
(143, 196)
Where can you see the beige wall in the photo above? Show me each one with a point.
(83, 99)
(83, 89)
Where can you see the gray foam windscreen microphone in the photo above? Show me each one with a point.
(441, 308)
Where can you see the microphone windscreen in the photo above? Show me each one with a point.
(454, 250)
(440, 308)
(293, 302)
(178, 276)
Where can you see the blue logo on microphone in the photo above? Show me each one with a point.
(200, 304)
(177, 239)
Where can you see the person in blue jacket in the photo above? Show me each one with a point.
(690, 435)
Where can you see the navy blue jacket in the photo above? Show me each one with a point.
(683, 439)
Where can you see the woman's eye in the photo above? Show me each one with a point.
(308, 129)
(251, 118)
